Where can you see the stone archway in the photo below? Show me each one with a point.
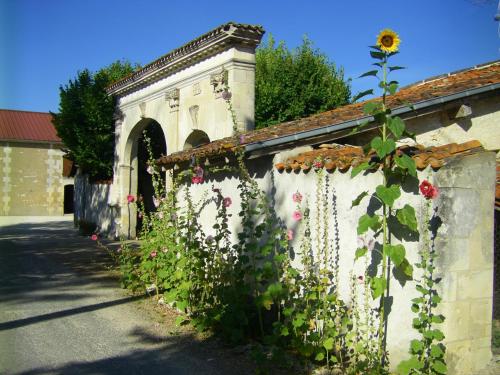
(136, 181)
(195, 139)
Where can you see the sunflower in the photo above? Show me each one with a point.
(388, 41)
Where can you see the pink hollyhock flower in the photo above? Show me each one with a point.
(197, 180)
(150, 169)
(242, 138)
(153, 254)
(297, 197)
(130, 199)
(226, 95)
(209, 239)
(198, 171)
(93, 237)
(297, 216)
(428, 190)
(227, 202)
(361, 279)
(318, 164)
(139, 215)
(289, 234)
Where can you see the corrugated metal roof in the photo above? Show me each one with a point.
(27, 126)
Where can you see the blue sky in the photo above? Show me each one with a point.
(43, 43)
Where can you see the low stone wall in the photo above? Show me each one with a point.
(92, 207)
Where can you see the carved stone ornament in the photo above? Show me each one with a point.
(219, 82)
(193, 111)
(196, 89)
(172, 96)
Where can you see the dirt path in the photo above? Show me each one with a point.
(62, 313)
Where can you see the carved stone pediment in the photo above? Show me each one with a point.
(172, 97)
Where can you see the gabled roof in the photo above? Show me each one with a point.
(27, 126)
(423, 95)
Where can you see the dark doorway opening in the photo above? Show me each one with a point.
(158, 147)
(69, 191)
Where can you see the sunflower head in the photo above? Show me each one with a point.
(388, 41)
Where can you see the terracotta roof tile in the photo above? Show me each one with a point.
(27, 126)
(430, 89)
(341, 157)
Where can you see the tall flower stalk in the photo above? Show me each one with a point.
(394, 166)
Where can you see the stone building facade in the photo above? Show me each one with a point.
(31, 166)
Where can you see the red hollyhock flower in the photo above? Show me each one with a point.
(428, 190)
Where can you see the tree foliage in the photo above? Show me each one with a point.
(294, 84)
(85, 119)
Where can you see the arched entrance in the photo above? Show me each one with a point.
(135, 177)
(195, 139)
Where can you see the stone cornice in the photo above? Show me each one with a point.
(219, 39)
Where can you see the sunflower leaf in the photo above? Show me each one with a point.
(375, 47)
(392, 68)
(377, 55)
(370, 73)
(362, 94)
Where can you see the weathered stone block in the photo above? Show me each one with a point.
(476, 284)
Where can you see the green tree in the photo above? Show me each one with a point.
(294, 84)
(85, 119)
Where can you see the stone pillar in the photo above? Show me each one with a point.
(465, 259)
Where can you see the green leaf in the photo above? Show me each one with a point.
(377, 55)
(320, 356)
(388, 195)
(392, 68)
(359, 168)
(284, 331)
(383, 148)
(416, 346)
(396, 253)
(180, 320)
(406, 216)
(437, 319)
(371, 107)
(368, 222)
(439, 367)
(407, 163)
(362, 94)
(378, 285)
(360, 252)
(328, 344)
(406, 367)
(436, 351)
(358, 199)
(406, 268)
(393, 87)
(396, 126)
(298, 322)
(275, 290)
(370, 73)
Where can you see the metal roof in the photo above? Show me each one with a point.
(27, 126)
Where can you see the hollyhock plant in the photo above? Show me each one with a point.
(297, 197)
(297, 216)
(227, 202)
(428, 190)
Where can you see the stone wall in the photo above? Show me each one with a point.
(32, 181)
(92, 206)
(464, 243)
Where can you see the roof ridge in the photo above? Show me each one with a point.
(452, 73)
(23, 110)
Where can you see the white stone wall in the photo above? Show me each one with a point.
(464, 244)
